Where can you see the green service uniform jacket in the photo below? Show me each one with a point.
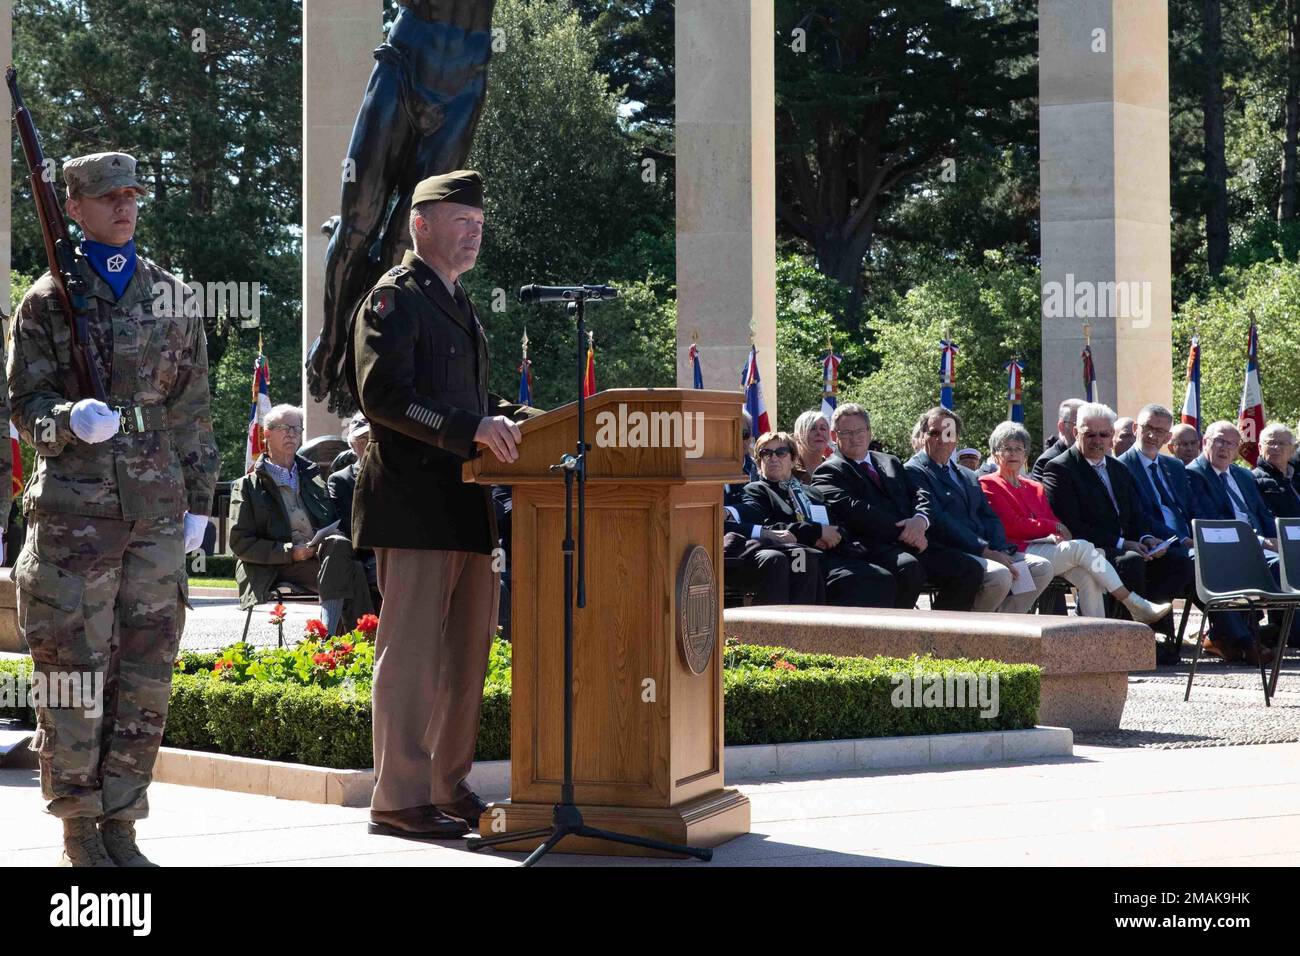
(260, 536)
(418, 365)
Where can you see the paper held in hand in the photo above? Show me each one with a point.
(1023, 581)
(322, 534)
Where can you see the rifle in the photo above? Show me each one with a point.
(68, 283)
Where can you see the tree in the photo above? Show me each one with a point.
(567, 200)
(873, 96)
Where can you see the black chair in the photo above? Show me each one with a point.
(1059, 587)
(281, 594)
(1288, 543)
(1233, 575)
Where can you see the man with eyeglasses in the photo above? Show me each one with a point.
(276, 512)
(868, 493)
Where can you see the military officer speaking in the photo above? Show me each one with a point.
(119, 495)
(418, 366)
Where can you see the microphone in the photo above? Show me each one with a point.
(533, 294)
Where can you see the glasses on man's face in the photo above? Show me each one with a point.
(1279, 443)
(782, 452)
(287, 429)
(935, 433)
(1232, 443)
(852, 433)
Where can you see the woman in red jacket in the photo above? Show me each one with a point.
(1032, 527)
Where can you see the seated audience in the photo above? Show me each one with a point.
(1274, 474)
(1224, 491)
(868, 495)
(1163, 491)
(781, 503)
(949, 496)
(275, 511)
(970, 458)
(1125, 435)
(1095, 498)
(812, 436)
(1184, 443)
(1031, 526)
(767, 563)
(342, 484)
(1065, 432)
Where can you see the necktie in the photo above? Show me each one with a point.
(1234, 498)
(1166, 497)
(870, 471)
(1104, 478)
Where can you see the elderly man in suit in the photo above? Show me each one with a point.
(868, 493)
(950, 498)
(1274, 474)
(1096, 498)
(1184, 443)
(1225, 491)
(1065, 434)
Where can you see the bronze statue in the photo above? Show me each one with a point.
(417, 119)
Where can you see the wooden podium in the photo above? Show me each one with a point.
(648, 646)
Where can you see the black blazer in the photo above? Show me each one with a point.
(1050, 452)
(870, 514)
(1079, 499)
(341, 486)
(770, 505)
(1278, 491)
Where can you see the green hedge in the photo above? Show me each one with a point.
(772, 696)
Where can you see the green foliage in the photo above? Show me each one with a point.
(1269, 290)
(567, 201)
(992, 312)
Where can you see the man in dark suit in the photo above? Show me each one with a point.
(1225, 492)
(868, 493)
(342, 485)
(950, 498)
(418, 366)
(1274, 475)
(1094, 495)
(1065, 433)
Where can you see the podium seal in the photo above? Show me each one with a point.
(697, 610)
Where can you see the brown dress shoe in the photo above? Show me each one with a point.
(469, 808)
(1223, 650)
(426, 822)
(1254, 658)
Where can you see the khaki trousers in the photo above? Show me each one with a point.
(431, 654)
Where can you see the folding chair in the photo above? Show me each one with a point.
(1232, 575)
(1288, 543)
(279, 595)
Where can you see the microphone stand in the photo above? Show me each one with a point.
(566, 818)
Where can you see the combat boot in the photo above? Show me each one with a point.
(82, 845)
(119, 840)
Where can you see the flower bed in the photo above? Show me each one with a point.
(311, 703)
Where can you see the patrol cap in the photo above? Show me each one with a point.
(464, 186)
(100, 173)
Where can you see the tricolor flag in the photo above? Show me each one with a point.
(261, 406)
(754, 394)
(525, 375)
(1250, 416)
(947, 371)
(830, 381)
(589, 380)
(17, 471)
(1015, 390)
(1192, 400)
(1089, 373)
(696, 372)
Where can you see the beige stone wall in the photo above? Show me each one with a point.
(1104, 124)
(339, 37)
(726, 190)
(6, 157)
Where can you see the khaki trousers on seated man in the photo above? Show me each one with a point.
(995, 594)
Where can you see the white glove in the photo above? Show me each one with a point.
(93, 421)
(195, 526)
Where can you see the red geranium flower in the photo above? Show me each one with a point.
(220, 666)
(278, 614)
(317, 628)
(345, 648)
(368, 624)
(325, 660)
(784, 665)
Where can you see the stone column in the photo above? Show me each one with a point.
(726, 190)
(6, 151)
(1104, 123)
(338, 38)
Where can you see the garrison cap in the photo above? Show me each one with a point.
(100, 173)
(464, 186)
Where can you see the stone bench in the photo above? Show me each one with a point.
(1085, 661)
(9, 639)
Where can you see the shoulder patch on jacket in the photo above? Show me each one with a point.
(383, 301)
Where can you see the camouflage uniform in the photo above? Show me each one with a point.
(100, 579)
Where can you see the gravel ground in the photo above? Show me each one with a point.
(217, 621)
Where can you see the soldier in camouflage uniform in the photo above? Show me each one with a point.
(120, 493)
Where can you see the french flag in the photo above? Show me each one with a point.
(754, 394)
(947, 372)
(1192, 400)
(830, 382)
(696, 372)
(260, 408)
(1015, 391)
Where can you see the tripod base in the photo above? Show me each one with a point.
(672, 832)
